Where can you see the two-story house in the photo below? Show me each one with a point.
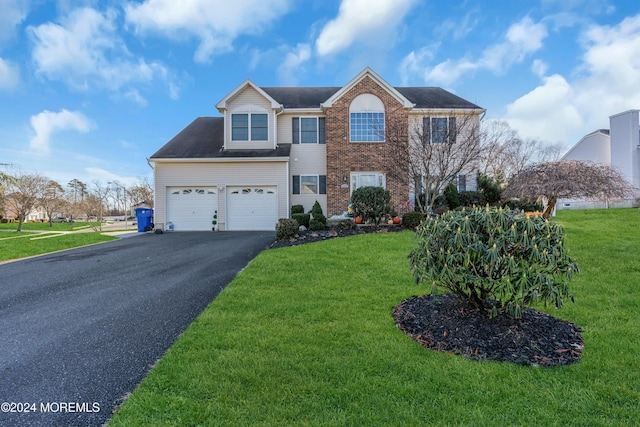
(618, 147)
(275, 147)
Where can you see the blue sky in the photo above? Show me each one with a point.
(91, 89)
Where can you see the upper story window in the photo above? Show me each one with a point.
(309, 130)
(249, 127)
(366, 119)
(438, 130)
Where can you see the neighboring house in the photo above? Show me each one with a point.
(618, 147)
(275, 147)
(38, 213)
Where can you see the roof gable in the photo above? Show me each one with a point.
(223, 103)
(368, 72)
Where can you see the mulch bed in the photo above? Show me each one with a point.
(310, 236)
(443, 323)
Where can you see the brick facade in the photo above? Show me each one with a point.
(344, 157)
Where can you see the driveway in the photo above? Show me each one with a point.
(80, 329)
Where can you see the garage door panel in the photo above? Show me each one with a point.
(252, 208)
(191, 208)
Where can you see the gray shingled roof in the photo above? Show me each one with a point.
(434, 97)
(300, 97)
(203, 139)
(312, 97)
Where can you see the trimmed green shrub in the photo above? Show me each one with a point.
(490, 187)
(371, 203)
(471, 198)
(494, 259)
(302, 218)
(450, 194)
(286, 228)
(318, 220)
(296, 209)
(524, 205)
(412, 219)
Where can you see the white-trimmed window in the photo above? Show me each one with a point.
(438, 130)
(367, 179)
(308, 130)
(366, 119)
(309, 184)
(249, 127)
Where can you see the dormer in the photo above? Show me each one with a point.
(250, 121)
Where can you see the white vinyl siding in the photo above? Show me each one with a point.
(220, 175)
(308, 159)
(250, 101)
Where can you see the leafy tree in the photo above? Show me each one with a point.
(567, 179)
(490, 187)
(452, 197)
(371, 203)
(494, 259)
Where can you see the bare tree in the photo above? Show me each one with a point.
(506, 154)
(23, 194)
(141, 192)
(568, 179)
(52, 200)
(434, 151)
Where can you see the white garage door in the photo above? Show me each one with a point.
(191, 208)
(252, 208)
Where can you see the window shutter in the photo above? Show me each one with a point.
(426, 130)
(453, 130)
(322, 138)
(296, 184)
(296, 135)
(322, 184)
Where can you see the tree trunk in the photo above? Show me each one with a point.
(548, 209)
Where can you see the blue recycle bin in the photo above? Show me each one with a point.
(145, 219)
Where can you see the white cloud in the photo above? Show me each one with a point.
(370, 22)
(47, 122)
(606, 82)
(12, 13)
(85, 52)
(215, 23)
(547, 112)
(521, 40)
(294, 59)
(9, 75)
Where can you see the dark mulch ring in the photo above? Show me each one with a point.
(444, 323)
(310, 236)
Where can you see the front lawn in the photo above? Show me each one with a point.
(44, 226)
(19, 245)
(305, 336)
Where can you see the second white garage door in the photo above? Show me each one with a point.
(191, 208)
(252, 208)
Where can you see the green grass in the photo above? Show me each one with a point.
(19, 245)
(304, 336)
(44, 226)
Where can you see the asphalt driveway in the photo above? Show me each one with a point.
(80, 329)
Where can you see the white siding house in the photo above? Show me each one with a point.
(618, 147)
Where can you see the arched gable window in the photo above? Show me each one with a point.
(366, 119)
